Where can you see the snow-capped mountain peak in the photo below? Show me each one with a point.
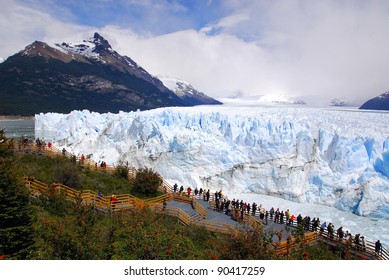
(186, 91)
(91, 47)
(180, 87)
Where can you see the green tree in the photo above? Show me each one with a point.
(16, 232)
(147, 182)
(5, 145)
(121, 171)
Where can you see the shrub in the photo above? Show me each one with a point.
(147, 182)
(68, 174)
(121, 171)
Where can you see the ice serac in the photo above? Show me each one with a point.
(329, 157)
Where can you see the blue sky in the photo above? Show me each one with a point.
(145, 16)
(312, 50)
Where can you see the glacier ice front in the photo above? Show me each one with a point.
(338, 158)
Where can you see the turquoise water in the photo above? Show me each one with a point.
(18, 128)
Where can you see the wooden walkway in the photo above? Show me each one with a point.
(188, 209)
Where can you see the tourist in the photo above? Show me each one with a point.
(323, 227)
(254, 208)
(271, 212)
(291, 219)
(287, 215)
(357, 241)
(113, 202)
(340, 233)
(261, 216)
(378, 247)
(164, 204)
(363, 243)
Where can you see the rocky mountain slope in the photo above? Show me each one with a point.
(380, 102)
(89, 75)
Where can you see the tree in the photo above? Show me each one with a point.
(16, 233)
(5, 145)
(121, 171)
(147, 182)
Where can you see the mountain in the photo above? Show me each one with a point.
(380, 102)
(187, 92)
(89, 75)
(279, 99)
(338, 102)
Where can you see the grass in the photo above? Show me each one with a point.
(63, 170)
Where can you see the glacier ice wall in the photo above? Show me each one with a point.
(308, 155)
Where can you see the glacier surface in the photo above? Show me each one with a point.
(315, 156)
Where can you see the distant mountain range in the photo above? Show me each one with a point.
(380, 102)
(90, 75)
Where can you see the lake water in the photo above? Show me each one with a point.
(16, 128)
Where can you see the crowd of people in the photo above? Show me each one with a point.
(237, 209)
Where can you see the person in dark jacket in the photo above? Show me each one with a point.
(378, 247)
(340, 233)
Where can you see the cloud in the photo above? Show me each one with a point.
(317, 49)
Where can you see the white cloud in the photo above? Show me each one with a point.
(227, 22)
(320, 49)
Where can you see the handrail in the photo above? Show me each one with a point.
(199, 208)
(216, 226)
(253, 222)
(175, 212)
(133, 202)
(182, 198)
(158, 199)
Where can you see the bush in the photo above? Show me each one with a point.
(121, 171)
(67, 174)
(147, 182)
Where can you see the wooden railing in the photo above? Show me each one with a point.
(349, 246)
(285, 247)
(253, 222)
(125, 202)
(216, 226)
(159, 199)
(199, 208)
(175, 212)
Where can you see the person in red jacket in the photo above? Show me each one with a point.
(113, 201)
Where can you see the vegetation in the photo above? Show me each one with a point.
(52, 227)
(147, 182)
(16, 215)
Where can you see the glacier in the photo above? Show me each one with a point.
(315, 156)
